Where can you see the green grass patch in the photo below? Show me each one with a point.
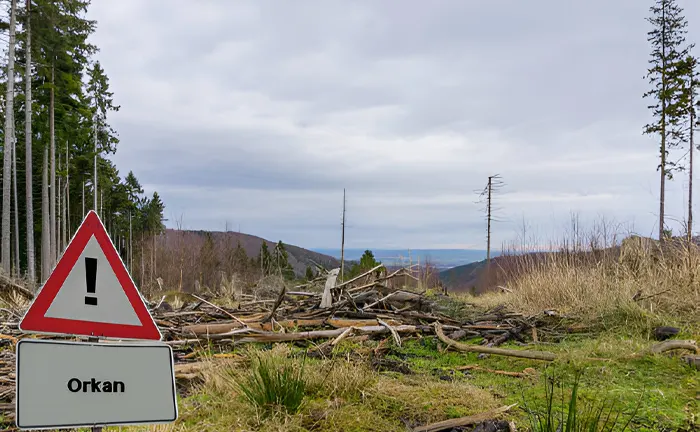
(662, 387)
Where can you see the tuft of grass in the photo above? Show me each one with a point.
(273, 384)
(585, 417)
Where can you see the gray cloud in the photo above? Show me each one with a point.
(259, 113)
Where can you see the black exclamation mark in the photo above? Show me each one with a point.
(90, 279)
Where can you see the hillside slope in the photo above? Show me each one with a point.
(299, 257)
(474, 278)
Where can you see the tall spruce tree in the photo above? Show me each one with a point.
(9, 143)
(55, 55)
(667, 39)
(689, 75)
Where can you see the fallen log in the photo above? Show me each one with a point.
(464, 421)
(220, 328)
(534, 355)
(670, 345)
(324, 334)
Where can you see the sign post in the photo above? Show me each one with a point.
(67, 384)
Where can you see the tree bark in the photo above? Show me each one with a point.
(94, 179)
(45, 222)
(52, 205)
(17, 271)
(67, 227)
(59, 211)
(692, 150)
(31, 264)
(662, 183)
(9, 142)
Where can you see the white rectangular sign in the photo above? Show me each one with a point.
(75, 384)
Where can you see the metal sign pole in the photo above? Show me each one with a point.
(95, 428)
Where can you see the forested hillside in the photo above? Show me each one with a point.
(57, 140)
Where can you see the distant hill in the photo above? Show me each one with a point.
(464, 277)
(438, 258)
(474, 278)
(299, 257)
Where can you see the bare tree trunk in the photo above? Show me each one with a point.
(153, 259)
(664, 88)
(83, 216)
(67, 228)
(488, 226)
(131, 247)
(143, 271)
(65, 218)
(45, 222)
(690, 171)
(59, 211)
(342, 242)
(31, 265)
(662, 182)
(52, 187)
(9, 142)
(94, 179)
(18, 271)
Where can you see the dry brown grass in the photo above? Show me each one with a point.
(637, 283)
(641, 281)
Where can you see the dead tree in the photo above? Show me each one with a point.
(342, 241)
(494, 183)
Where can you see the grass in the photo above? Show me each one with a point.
(664, 388)
(592, 416)
(273, 385)
(344, 393)
(633, 287)
(619, 296)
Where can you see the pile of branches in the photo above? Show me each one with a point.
(371, 305)
(363, 307)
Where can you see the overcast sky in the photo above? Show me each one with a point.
(259, 113)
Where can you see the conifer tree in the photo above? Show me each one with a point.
(667, 39)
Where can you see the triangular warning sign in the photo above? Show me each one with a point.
(90, 292)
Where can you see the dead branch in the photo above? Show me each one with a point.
(280, 297)
(534, 355)
(464, 421)
(525, 373)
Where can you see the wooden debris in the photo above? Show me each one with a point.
(534, 355)
(371, 305)
(525, 373)
(464, 421)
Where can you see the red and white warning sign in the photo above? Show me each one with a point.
(90, 292)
